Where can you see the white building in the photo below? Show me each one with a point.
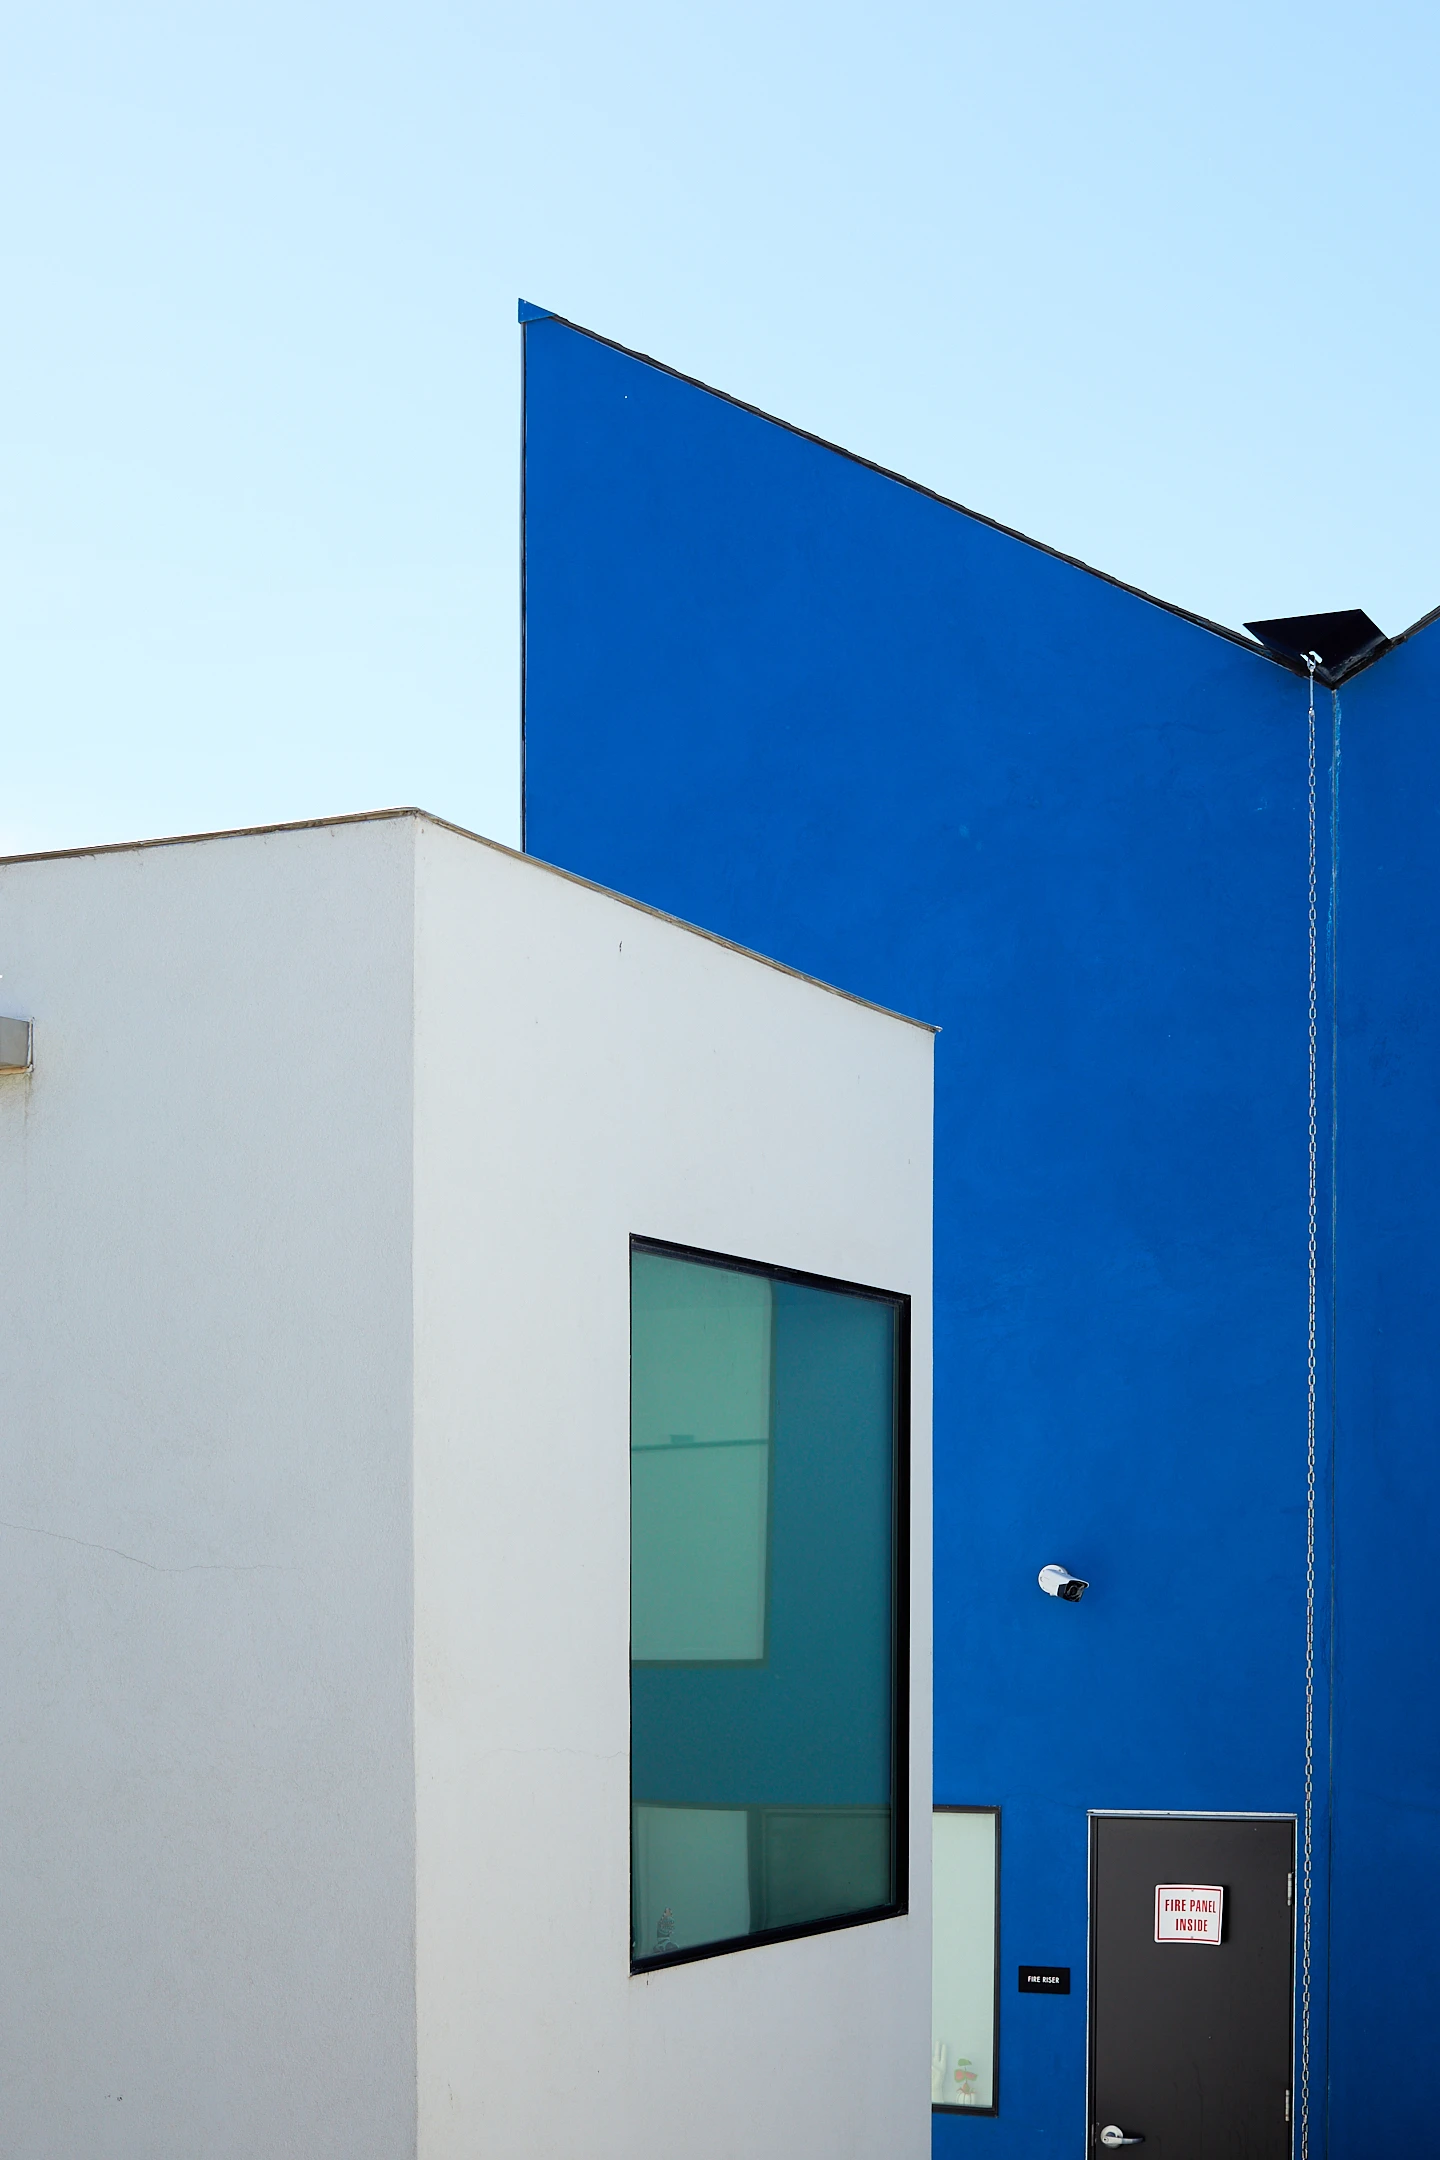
(315, 1344)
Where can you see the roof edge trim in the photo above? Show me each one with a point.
(948, 502)
(463, 832)
(1377, 652)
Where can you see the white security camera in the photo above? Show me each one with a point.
(1057, 1581)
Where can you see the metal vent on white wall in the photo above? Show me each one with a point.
(14, 1046)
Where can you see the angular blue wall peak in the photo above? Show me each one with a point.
(788, 697)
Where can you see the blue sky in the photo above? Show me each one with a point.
(1154, 284)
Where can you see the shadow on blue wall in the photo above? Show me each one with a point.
(1385, 1994)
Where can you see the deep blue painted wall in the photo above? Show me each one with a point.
(1386, 1970)
(794, 700)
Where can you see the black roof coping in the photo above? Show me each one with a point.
(1340, 638)
(1273, 639)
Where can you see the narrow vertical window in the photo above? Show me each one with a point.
(767, 1571)
(966, 1947)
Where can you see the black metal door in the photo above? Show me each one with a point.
(1190, 2037)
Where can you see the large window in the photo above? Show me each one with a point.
(768, 1598)
(962, 2000)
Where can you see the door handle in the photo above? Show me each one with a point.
(1112, 2134)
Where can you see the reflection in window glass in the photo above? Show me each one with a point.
(699, 1463)
(962, 2037)
(763, 1502)
(695, 1861)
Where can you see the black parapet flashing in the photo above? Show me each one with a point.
(1331, 675)
(1342, 640)
(533, 315)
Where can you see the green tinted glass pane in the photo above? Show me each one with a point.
(763, 1449)
(820, 1861)
(699, 1462)
(694, 1862)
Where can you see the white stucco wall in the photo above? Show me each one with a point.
(584, 1071)
(206, 1861)
(314, 1333)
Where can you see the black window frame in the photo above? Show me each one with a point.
(900, 1676)
(951, 2107)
